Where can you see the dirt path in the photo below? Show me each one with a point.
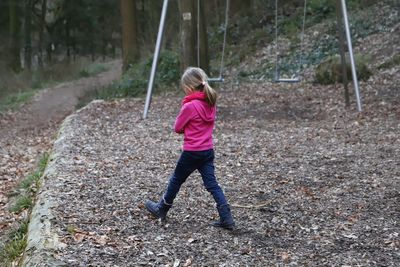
(29, 132)
(326, 179)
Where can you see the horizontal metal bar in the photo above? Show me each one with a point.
(216, 80)
(283, 80)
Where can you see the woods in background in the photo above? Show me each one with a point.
(38, 33)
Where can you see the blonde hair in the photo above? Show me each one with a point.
(195, 79)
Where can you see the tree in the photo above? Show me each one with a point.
(203, 42)
(340, 34)
(187, 32)
(42, 25)
(240, 7)
(28, 41)
(130, 48)
(14, 31)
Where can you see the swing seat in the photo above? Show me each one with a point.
(287, 80)
(294, 79)
(216, 80)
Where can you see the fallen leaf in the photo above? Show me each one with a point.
(188, 262)
(285, 257)
(176, 263)
(78, 237)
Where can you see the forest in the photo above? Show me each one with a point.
(308, 163)
(46, 41)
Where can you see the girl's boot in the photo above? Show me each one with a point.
(226, 220)
(159, 210)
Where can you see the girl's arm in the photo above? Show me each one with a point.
(183, 118)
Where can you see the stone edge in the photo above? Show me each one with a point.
(42, 240)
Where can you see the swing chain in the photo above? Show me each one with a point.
(221, 69)
(277, 75)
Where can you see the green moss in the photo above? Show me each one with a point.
(43, 162)
(330, 71)
(23, 202)
(71, 229)
(12, 251)
(14, 247)
(30, 180)
(15, 100)
(392, 62)
(134, 81)
(93, 69)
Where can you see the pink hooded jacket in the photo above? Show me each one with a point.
(196, 122)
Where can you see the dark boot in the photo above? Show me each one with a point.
(158, 210)
(226, 220)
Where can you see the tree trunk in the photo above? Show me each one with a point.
(28, 41)
(188, 34)
(41, 32)
(240, 7)
(102, 22)
(67, 39)
(14, 45)
(49, 45)
(130, 48)
(171, 34)
(92, 47)
(152, 11)
(203, 42)
(142, 22)
(104, 43)
(340, 33)
(73, 44)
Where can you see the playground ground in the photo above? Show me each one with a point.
(310, 182)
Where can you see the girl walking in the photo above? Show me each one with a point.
(196, 122)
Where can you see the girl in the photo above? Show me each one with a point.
(196, 121)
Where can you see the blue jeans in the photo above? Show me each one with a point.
(189, 161)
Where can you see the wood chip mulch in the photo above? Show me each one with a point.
(310, 183)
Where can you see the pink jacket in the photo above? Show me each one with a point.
(196, 122)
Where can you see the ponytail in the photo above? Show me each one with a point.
(211, 95)
(195, 79)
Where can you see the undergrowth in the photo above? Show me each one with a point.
(321, 36)
(93, 69)
(394, 61)
(13, 100)
(134, 81)
(19, 88)
(24, 196)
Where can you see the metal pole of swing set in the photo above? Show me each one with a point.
(155, 59)
(350, 48)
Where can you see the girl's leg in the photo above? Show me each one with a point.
(187, 163)
(210, 182)
(207, 170)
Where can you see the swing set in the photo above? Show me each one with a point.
(295, 78)
(220, 78)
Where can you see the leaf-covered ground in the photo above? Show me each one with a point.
(310, 183)
(26, 134)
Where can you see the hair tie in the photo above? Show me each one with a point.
(201, 85)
